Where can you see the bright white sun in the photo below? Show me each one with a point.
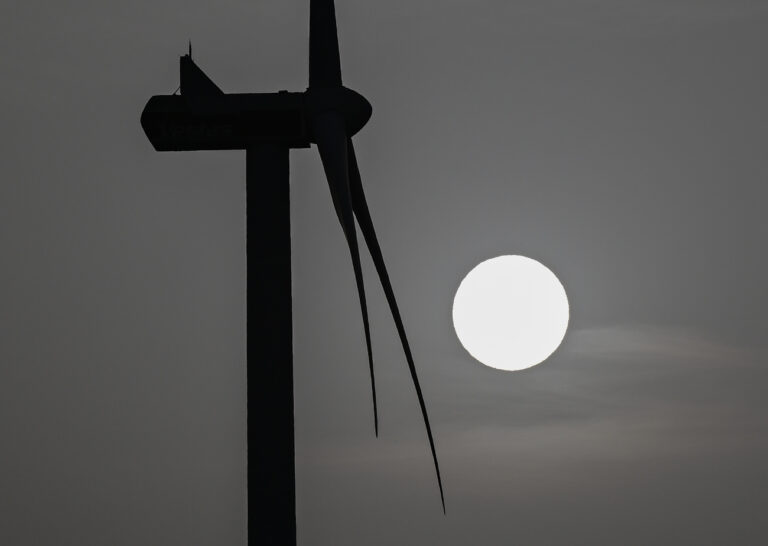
(510, 313)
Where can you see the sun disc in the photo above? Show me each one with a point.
(511, 312)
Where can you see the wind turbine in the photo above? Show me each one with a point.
(267, 126)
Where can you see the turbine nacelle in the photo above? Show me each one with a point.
(202, 117)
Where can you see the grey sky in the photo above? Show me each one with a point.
(621, 143)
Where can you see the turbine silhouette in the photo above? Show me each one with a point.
(267, 125)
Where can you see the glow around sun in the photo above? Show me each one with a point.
(511, 313)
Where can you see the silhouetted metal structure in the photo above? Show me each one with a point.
(267, 126)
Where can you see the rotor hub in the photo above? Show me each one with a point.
(350, 105)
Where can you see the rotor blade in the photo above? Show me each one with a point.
(324, 61)
(331, 141)
(360, 207)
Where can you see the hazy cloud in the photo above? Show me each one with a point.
(649, 342)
